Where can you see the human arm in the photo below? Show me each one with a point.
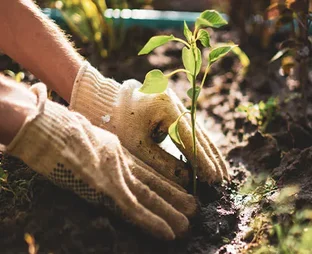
(34, 41)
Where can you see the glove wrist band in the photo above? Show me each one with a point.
(93, 95)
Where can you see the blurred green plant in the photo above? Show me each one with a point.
(281, 229)
(18, 77)
(3, 178)
(86, 19)
(276, 226)
(156, 81)
(262, 113)
(257, 188)
(295, 51)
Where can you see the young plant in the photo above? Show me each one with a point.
(262, 113)
(156, 81)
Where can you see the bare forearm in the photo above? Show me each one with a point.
(16, 102)
(34, 41)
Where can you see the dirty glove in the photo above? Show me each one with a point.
(139, 119)
(69, 150)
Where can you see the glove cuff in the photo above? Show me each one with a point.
(93, 95)
(40, 137)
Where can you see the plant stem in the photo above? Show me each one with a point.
(205, 76)
(176, 71)
(182, 41)
(193, 121)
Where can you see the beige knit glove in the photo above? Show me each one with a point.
(138, 118)
(69, 150)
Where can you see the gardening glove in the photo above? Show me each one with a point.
(141, 120)
(65, 147)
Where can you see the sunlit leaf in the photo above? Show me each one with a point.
(243, 58)
(155, 42)
(174, 132)
(279, 54)
(204, 38)
(187, 33)
(190, 92)
(190, 63)
(155, 82)
(9, 73)
(19, 76)
(210, 18)
(275, 10)
(218, 52)
(288, 62)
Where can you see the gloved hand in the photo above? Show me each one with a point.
(69, 150)
(139, 119)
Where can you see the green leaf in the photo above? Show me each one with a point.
(190, 92)
(204, 38)
(187, 33)
(155, 82)
(174, 132)
(19, 76)
(155, 42)
(218, 52)
(243, 58)
(190, 63)
(210, 18)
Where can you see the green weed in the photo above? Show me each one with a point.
(262, 113)
(20, 189)
(276, 227)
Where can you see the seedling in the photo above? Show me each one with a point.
(261, 113)
(156, 81)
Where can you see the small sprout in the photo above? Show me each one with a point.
(260, 114)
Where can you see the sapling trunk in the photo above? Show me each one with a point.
(193, 121)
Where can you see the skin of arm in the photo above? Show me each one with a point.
(34, 41)
(16, 103)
